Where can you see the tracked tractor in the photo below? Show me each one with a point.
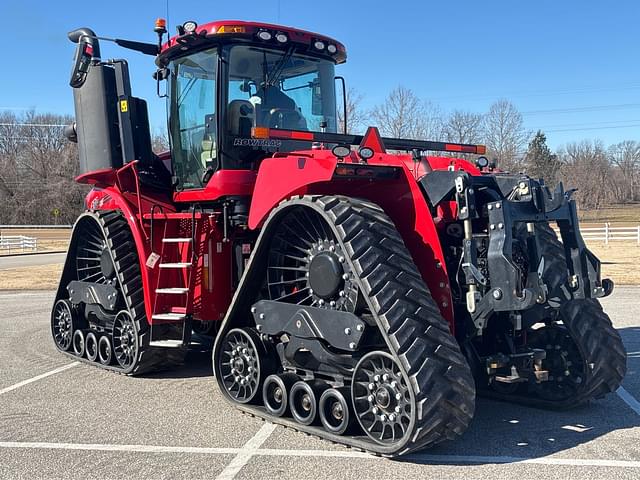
(359, 288)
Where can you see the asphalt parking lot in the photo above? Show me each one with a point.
(65, 420)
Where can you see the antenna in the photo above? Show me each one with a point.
(168, 22)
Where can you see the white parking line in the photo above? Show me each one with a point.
(480, 459)
(252, 448)
(248, 450)
(38, 377)
(119, 448)
(629, 399)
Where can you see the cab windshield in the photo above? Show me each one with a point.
(280, 89)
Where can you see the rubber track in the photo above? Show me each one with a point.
(588, 325)
(125, 258)
(409, 319)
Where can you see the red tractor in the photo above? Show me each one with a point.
(355, 288)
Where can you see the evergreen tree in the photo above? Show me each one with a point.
(540, 162)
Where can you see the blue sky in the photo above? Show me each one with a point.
(571, 67)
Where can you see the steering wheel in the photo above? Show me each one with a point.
(282, 117)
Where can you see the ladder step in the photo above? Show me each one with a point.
(177, 240)
(175, 265)
(166, 343)
(172, 290)
(169, 316)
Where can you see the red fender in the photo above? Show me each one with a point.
(280, 178)
(110, 198)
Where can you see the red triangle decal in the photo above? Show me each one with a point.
(373, 140)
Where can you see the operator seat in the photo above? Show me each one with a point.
(241, 117)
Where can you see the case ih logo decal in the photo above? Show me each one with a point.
(256, 142)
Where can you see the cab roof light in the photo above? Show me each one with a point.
(265, 35)
(282, 37)
(332, 49)
(319, 45)
(189, 26)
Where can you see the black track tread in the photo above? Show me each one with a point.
(589, 326)
(408, 317)
(117, 234)
(587, 323)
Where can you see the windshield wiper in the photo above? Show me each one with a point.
(276, 73)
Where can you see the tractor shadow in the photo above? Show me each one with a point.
(197, 363)
(502, 429)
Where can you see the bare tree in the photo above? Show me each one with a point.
(585, 165)
(37, 170)
(356, 117)
(625, 158)
(159, 141)
(505, 136)
(463, 127)
(404, 115)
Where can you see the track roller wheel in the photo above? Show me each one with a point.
(303, 400)
(125, 339)
(78, 343)
(104, 350)
(91, 346)
(275, 393)
(334, 410)
(244, 364)
(381, 398)
(62, 324)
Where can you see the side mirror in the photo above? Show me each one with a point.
(316, 98)
(160, 75)
(87, 49)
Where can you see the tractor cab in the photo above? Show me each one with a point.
(227, 79)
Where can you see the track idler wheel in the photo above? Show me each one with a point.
(275, 393)
(334, 410)
(91, 346)
(62, 324)
(78, 343)
(244, 364)
(381, 398)
(125, 339)
(104, 350)
(303, 400)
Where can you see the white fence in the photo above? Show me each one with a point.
(17, 242)
(607, 234)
